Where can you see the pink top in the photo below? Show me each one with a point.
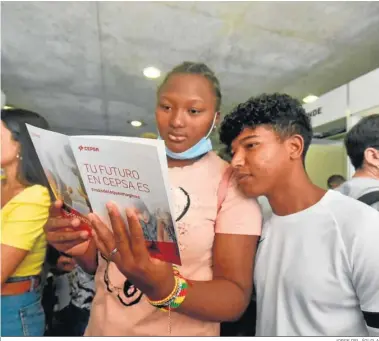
(196, 231)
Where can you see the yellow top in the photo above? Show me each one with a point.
(22, 222)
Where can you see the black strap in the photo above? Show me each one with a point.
(372, 319)
(370, 198)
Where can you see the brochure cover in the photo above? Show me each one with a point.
(86, 172)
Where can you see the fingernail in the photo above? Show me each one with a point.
(129, 212)
(75, 222)
(109, 207)
(91, 218)
(84, 235)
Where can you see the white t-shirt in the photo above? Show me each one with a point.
(317, 271)
(357, 187)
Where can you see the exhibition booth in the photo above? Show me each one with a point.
(332, 115)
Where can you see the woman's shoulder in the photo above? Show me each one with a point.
(35, 194)
(216, 163)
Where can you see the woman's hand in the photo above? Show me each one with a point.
(63, 234)
(153, 277)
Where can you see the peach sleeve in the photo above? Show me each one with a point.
(239, 214)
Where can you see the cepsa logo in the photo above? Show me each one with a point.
(88, 149)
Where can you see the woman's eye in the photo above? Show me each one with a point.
(194, 111)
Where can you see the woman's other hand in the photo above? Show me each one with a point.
(63, 233)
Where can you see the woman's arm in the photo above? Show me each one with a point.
(22, 227)
(11, 258)
(227, 296)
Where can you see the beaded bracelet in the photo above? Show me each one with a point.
(177, 296)
(169, 297)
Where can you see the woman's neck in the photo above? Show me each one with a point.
(172, 163)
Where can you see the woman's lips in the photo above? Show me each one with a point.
(176, 138)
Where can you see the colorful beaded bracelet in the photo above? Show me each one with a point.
(177, 296)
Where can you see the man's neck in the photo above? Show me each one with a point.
(366, 173)
(295, 194)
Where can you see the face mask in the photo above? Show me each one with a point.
(200, 148)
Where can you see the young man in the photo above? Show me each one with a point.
(335, 181)
(362, 146)
(317, 264)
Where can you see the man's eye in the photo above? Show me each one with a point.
(165, 107)
(250, 145)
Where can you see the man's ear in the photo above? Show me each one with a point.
(295, 146)
(371, 157)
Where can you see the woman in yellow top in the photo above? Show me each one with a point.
(25, 203)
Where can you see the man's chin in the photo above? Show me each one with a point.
(249, 191)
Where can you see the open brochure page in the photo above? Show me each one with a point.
(131, 172)
(58, 162)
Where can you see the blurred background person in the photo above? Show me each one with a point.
(362, 146)
(25, 202)
(335, 181)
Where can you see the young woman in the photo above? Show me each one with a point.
(25, 206)
(217, 246)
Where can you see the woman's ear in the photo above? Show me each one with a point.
(217, 120)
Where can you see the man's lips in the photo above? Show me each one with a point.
(242, 177)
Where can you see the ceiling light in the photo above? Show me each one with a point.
(310, 99)
(136, 123)
(151, 72)
(7, 107)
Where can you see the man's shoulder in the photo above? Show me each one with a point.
(350, 215)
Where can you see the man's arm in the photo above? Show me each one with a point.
(363, 252)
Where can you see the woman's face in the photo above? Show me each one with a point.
(186, 107)
(9, 147)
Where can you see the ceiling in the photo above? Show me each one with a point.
(80, 64)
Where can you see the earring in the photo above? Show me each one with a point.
(18, 156)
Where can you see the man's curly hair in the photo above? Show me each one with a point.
(284, 114)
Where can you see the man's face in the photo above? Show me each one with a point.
(261, 160)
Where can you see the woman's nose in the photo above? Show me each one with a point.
(178, 119)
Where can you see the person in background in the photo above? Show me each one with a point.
(362, 146)
(72, 320)
(25, 203)
(316, 270)
(335, 181)
(217, 242)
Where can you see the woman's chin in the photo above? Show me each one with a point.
(176, 147)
